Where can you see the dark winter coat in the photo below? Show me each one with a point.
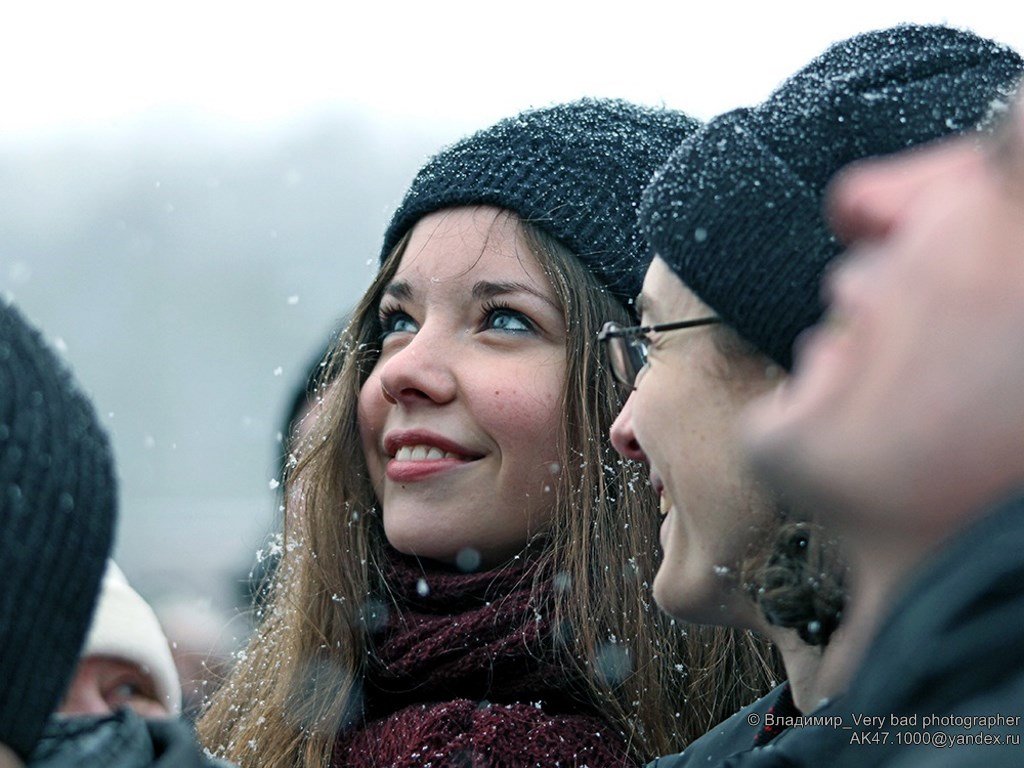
(122, 740)
(733, 735)
(464, 674)
(952, 646)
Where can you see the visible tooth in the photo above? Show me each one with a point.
(419, 453)
(448, 455)
(666, 504)
(403, 453)
(435, 453)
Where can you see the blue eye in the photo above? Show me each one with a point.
(396, 321)
(507, 320)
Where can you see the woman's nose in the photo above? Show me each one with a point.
(623, 438)
(421, 372)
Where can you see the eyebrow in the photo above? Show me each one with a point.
(642, 304)
(482, 290)
(485, 289)
(399, 289)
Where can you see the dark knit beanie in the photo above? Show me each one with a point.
(576, 170)
(57, 507)
(737, 210)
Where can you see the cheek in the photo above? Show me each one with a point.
(148, 708)
(655, 418)
(524, 407)
(519, 415)
(371, 414)
(371, 410)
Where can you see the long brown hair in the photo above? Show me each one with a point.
(658, 684)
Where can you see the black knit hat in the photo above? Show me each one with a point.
(57, 507)
(576, 170)
(737, 210)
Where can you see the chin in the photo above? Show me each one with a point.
(670, 593)
(665, 598)
(695, 599)
(419, 540)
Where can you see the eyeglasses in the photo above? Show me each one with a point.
(627, 347)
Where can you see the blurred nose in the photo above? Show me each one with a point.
(870, 198)
(623, 437)
(84, 698)
(421, 372)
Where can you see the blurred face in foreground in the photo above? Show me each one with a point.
(103, 685)
(906, 407)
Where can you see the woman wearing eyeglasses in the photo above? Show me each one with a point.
(734, 220)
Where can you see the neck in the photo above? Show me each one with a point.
(880, 565)
(8, 759)
(803, 665)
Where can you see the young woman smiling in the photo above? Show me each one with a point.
(466, 572)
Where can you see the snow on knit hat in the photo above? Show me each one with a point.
(125, 627)
(576, 170)
(736, 212)
(57, 509)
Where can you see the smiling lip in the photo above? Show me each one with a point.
(410, 471)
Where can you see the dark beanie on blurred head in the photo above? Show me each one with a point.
(57, 508)
(736, 212)
(576, 170)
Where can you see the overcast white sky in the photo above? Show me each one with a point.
(253, 65)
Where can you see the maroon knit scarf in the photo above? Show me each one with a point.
(464, 676)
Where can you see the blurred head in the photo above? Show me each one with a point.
(126, 660)
(103, 685)
(734, 218)
(904, 411)
(57, 509)
(305, 397)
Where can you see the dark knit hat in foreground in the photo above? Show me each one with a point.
(576, 170)
(737, 210)
(57, 508)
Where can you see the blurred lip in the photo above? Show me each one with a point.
(656, 483)
(663, 532)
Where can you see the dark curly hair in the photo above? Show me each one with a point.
(801, 583)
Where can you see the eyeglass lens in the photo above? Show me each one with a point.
(629, 355)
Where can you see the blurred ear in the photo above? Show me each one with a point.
(1007, 153)
(1017, 141)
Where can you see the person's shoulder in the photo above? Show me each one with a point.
(176, 747)
(121, 740)
(732, 735)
